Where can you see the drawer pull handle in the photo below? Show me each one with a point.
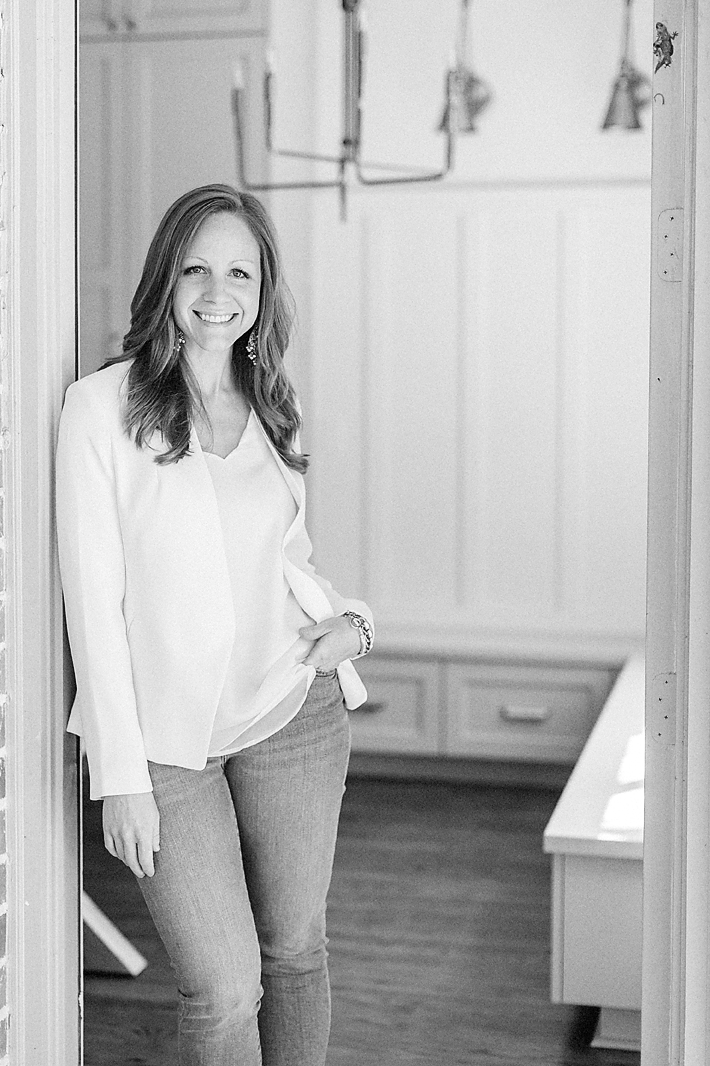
(370, 708)
(516, 712)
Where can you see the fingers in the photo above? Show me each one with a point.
(132, 831)
(319, 655)
(137, 855)
(335, 640)
(145, 858)
(110, 846)
(319, 630)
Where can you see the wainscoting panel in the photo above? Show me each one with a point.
(411, 384)
(511, 415)
(479, 397)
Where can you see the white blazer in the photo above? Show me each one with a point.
(148, 600)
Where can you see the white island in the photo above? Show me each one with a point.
(595, 836)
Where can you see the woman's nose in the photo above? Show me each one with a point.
(215, 288)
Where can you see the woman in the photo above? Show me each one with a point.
(212, 663)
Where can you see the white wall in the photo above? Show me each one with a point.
(477, 350)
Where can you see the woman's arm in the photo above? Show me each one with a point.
(93, 579)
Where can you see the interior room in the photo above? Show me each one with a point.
(472, 359)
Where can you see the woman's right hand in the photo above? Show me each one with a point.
(132, 830)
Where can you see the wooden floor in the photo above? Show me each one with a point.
(439, 920)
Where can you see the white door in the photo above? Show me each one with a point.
(103, 201)
(139, 152)
(178, 125)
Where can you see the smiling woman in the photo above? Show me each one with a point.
(213, 254)
(216, 298)
(212, 662)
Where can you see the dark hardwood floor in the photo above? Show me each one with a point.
(439, 921)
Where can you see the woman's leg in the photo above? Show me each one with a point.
(199, 902)
(287, 793)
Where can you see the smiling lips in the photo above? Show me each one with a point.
(218, 320)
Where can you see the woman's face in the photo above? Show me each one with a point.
(216, 298)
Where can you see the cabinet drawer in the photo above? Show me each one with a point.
(537, 714)
(402, 709)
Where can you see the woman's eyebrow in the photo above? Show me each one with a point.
(243, 259)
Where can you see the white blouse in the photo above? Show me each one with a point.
(266, 682)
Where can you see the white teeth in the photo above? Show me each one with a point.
(213, 318)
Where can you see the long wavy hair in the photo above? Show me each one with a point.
(162, 393)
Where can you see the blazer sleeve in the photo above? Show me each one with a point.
(92, 569)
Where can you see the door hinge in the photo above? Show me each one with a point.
(669, 245)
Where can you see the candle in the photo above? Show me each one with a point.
(238, 76)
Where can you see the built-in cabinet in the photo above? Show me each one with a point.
(442, 705)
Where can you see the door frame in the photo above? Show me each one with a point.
(676, 945)
(37, 105)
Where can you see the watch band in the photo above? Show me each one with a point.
(357, 621)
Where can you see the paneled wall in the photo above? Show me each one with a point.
(479, 378)
(477, 353)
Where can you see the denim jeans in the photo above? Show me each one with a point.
(239, 891)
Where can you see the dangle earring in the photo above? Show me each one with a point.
(251, 346)
(179, 342)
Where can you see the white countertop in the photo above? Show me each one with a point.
(435, 640)
(600, 811)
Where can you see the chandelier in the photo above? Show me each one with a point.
(348, 163)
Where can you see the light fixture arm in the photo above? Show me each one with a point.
(627, 35)
(348, 161)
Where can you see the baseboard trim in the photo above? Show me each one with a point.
(464, 771)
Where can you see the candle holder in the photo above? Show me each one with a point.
(474, 95)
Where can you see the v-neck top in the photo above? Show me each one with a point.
(266, 682)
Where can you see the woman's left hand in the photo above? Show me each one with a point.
(335, 640)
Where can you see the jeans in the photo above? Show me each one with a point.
(239, 891)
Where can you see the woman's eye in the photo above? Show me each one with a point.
(193, 269)
(239, 273)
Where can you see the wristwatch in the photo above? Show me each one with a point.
(364, 629)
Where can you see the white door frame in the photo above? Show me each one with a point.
(38, 354)
(676, 954)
